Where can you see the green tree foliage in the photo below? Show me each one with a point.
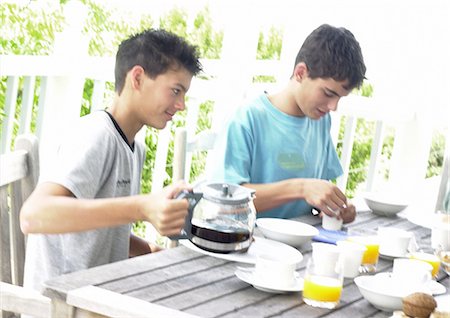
(26, 30)
(209, 41)
(436, 158)
(269, 48)
(29, 30)
(269, 45)
(106, 28)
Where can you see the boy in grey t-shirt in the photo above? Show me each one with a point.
(80, 213)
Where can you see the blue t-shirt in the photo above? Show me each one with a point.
(261, 144)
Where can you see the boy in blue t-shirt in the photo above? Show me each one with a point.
(280, 144)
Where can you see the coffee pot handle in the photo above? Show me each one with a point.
(193, 199)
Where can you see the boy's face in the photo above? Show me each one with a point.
(317, 97)
(320, 96)
(160, 98)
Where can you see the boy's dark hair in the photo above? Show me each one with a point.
(331, 52)
(156, 51)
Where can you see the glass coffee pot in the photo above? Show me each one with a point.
(221, 217)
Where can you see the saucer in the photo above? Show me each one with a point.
(247, 275)
(391, 256)
(259, 246)
(432, 286)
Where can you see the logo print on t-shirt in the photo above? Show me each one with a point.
(291, 161)
(123, 183)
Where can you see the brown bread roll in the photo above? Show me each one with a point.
(419, 305)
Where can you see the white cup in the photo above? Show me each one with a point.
(394, 241)
(325, 257)
(274, 270)
(331, 223)
(411, 274)
(350, 257)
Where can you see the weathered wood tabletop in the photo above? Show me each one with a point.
(188, 282)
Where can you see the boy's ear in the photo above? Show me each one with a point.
(136, 74)
(300, 72)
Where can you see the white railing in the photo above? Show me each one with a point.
(60, 93)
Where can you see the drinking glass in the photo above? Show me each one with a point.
(370, 240)
(321, 289)
(429, 258)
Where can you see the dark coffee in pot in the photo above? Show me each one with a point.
(220, 238)
(221, 235)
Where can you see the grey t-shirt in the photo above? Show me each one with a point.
(94, 161)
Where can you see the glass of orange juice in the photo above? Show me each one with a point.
(322, 290)
(370, 240)
(432, 259)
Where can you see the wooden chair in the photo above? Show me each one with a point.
(19, 172)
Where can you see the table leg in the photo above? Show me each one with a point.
(60, 309)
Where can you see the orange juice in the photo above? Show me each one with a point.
(429, 258)
(371, 254)
(321, 288)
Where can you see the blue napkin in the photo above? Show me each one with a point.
(331, 237)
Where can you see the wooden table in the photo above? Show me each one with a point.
(179, 282)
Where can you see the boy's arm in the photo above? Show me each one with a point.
(319, 193)
(51, 208)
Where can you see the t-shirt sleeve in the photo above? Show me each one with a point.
(81, 163)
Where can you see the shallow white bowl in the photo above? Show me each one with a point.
(385, 204)
(379, 293)
(289, 232)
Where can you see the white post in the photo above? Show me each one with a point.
(410, 154)
(64, 93)
(238, 55)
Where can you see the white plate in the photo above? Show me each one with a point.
(259, 246)
(290, 232)
(443, 302)
(247, 275)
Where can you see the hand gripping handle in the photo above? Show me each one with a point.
(193, 199)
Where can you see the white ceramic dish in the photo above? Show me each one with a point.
(432, 286)
(290, 232)
(259, 246)
(379, 293)
(384, 294)
(384, 203)
(247, 275)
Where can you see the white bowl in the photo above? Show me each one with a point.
(289, 232)
(379, 292)
(385, 204)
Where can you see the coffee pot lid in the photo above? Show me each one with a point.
(227, 193)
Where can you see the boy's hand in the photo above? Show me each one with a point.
(164, 212)
(348, 214)
(325, 196)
